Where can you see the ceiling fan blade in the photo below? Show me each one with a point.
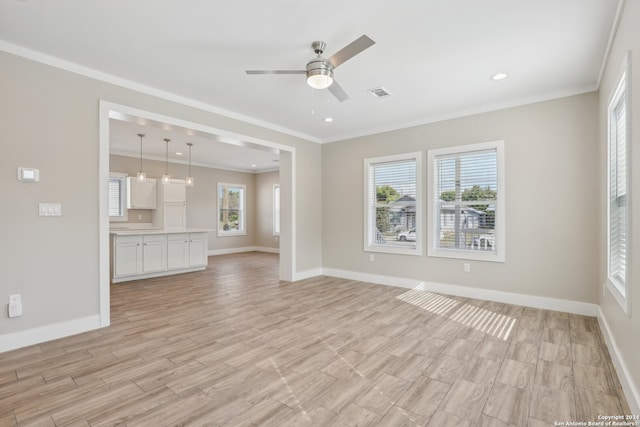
(276, 71)
(338, 92)
(350, 50)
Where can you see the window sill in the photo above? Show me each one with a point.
(466, 255)
(394, 250)
(231, 233)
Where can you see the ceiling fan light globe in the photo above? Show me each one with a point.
(319, 81)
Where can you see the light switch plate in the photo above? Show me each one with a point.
(50, 209)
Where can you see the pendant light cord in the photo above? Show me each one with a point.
(166, 157)
(141, 135)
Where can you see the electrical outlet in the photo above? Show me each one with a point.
(466, 267)
(371, 258)
(15, 305)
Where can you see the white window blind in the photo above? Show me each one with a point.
(618, 190)
(467, 218)
(117, 196)
(393, 207)
(466, 196)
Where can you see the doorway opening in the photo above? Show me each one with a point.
(286, 161)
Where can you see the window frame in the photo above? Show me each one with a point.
(242, 210)
(622, 92)
(433, 216)
(276, 209)
(369, 218)
(122, 177)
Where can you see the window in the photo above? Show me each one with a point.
(117, 197)
(466, 202)
(231, 214)
(393, 206)
(276, 209)
(618, 191)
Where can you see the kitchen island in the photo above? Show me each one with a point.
(143, 253)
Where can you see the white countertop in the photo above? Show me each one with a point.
(139, 231)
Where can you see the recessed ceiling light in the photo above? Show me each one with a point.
(499, 76)
(328, 119)
(178, 153)
(253, 166)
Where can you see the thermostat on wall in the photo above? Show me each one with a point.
(28, 174)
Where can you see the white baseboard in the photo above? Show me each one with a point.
(575, 307)
(628, 385)
(268, 250)
(213, 252)
(157, 274)
(42, 334)
(307, 274)
(372, 278)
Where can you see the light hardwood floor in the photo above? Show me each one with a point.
(231, 345)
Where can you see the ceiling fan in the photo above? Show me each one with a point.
(319, 70)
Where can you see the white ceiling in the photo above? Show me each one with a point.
(435, 56)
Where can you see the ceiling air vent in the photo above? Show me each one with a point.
(380, 92)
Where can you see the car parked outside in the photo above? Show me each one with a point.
(409, 235)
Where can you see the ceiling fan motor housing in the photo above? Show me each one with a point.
(321, 71)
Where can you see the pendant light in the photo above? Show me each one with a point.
(166, 177)
(142, 176)
(189, 179)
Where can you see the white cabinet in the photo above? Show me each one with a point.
(158, 254)
(187, 250)
(175, 191)
(127, 254)
(154, 253)
(198, 248)
(173, 216)
(178, 251)
(172, 205)
(141, 195)
(139, 254)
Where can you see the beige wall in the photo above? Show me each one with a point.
(49, 119)
(551, 162)
(201, 198)
(625, 329)
(264, 208)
